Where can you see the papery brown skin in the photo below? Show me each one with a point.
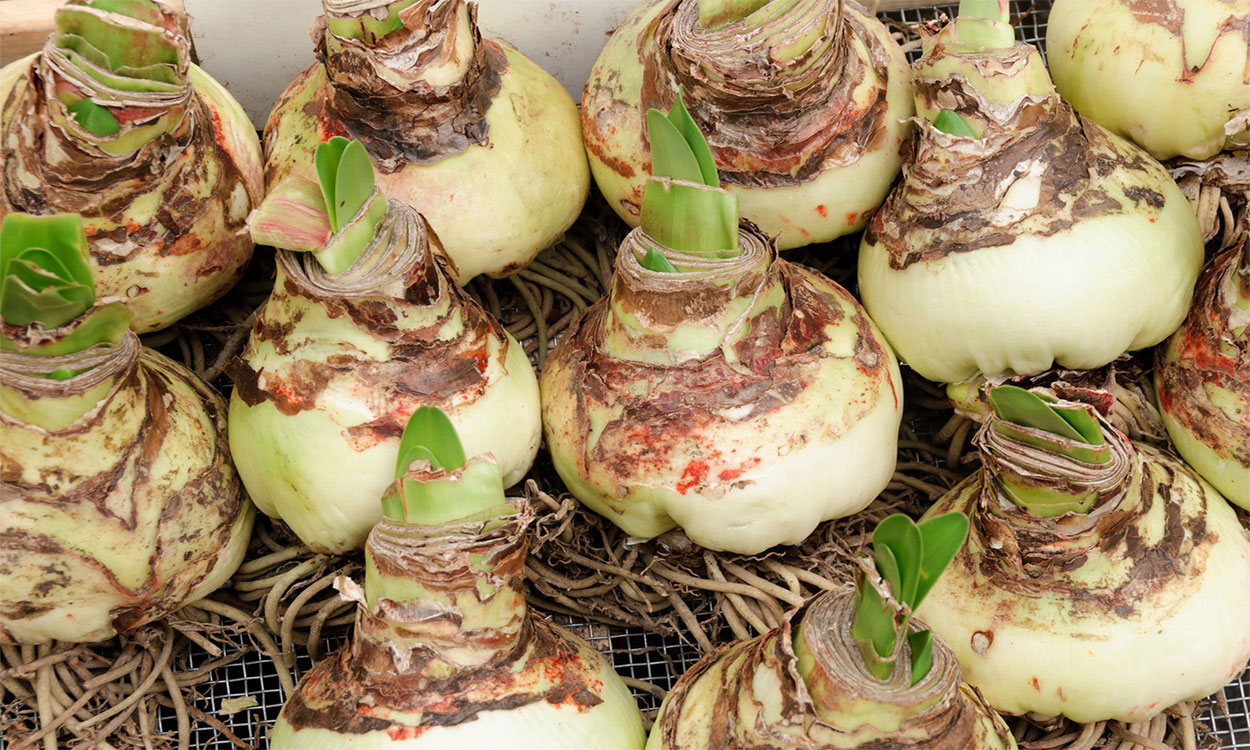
(493, 161)
(938, 210)
(1044, 217)
(1202, 377)
(807, 164)
(433, 669)
(328, 380)
(749, 696)
(165, 225)
(1057, 616)
(123, 516)
(746, 447)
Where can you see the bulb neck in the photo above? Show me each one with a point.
(54, 392)
(984, 85)
(441, 599)
(709, 305)
(1047, 475)
(844, 694)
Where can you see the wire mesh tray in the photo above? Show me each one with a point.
(634, 652)
(246, 697)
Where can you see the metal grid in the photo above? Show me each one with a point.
(635, 653)
(1029, 18)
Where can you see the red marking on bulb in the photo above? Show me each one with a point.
(405, 733)
(851, 216)
(824, 212)
(696, 472)
(1036, 685)
(328, 127)
(728, 475)
(219, 133)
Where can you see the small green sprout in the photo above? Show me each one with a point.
(683, 205)
(909, 557)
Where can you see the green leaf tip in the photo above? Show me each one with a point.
(346, 177)
(45, 281)
(94, 118)
(44, 276)
(990, 10)
(113, 46)
(431, 436)
(683, 204)
(335, 217)
(1028, 409)
(949, 121)
(985, 23)
(475, 491)
(909, 557)
(656, 261)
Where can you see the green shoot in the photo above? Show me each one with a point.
(921, 645)
(93, 118)
(429, 436)
(909, 557)
(684, 127)
(435, 500)
(44, 276)
(45, 282)
(949, 121)
(683, 205)
(1080, 432)
(656, 261)
(121, 46)
(991, 10)
(1038, 420)
(367, 28)
(129, 46)
(346, 177)
(336, 217)
(985, 23)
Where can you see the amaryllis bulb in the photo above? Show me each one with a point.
(112, 121)
(743, 399)
(1119, 61)
(1040, 240)
(469, 132)
(1132, 600)
(446, 654)
(121, 504)
(1202, 377)
(338, 362)
(804, 105)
